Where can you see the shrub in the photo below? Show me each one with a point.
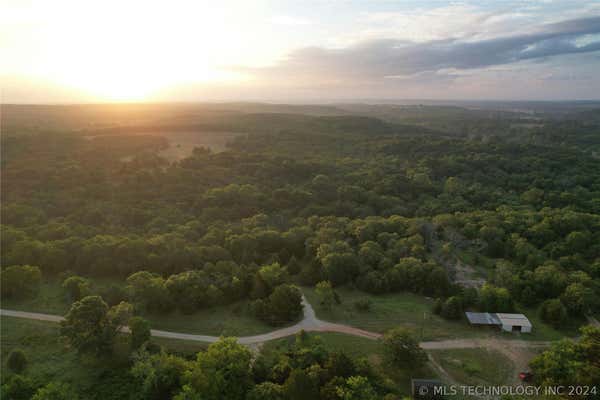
(19, 281)
(140, 332)
(402, 350)
(76, 288)
(553, 312)
(363, 305)
(17, 387)
(17, 361)
(437, 306)
(452, 308)
(283, 305)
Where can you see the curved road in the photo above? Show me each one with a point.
(309, 323)
(518, 351)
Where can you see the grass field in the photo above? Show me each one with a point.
(181, 144)
(51, 359)
(230, 320)
(50, 300)
(392, 310)
(387, 311)
(414, 312)
(475, 366)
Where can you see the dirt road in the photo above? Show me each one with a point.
(309, 323)
(518, 351)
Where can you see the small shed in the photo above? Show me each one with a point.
(508, 322)
(514, 322)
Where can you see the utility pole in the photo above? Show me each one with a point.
(423, 325)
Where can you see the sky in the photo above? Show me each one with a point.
(298, 51)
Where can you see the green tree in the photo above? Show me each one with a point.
(222, 372)
(17, 387)
(300, 386)
(266, 391)
(577, 298)
(140, 332)
(19, 281)
(339, 364)
(76, 288)
(402, 350)
(55, 391)
(160, 374)
(16, 361)
(148, 291)
(283, 305)
(91, 327)
(356, 388)
(119, 315)
(553, 312)
(589, 349)
(495, 299)
(326, 295)
(557, 366)
(452, 308)
(273, 275)
(294, 266)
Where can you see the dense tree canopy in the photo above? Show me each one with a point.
(374, 204)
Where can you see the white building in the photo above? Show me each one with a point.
(508, 322)
(514, 322)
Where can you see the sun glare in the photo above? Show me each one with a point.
(120, 51)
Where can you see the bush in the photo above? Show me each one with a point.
(363, 305)
(17, 361)
(19, 281)
(553, 312)
(17, 387)
(452, 308)
(140, 332)
(402, 350)
(437, 306)
(113, 295)
(76, 288)
(283, 305)
(55, 391)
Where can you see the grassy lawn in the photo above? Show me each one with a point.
(51, 359)
(543, 331)
(387, 311)
(392, 310)
(357, 347)
(475, 366)
(414, 312)
(230, 320)
(50, 300)
(184, 348)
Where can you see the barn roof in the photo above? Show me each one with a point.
(477, 318)
(513, 319)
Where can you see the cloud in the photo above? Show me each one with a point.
(289, 21)
(376, 60)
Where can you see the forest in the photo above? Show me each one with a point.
(376, 199)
